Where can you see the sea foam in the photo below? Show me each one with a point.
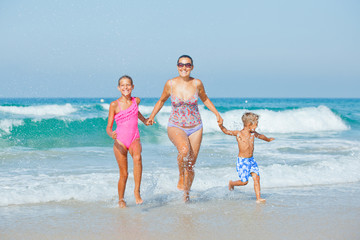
(6, 125)
(302, 120)
(161, 182)
(40, 111)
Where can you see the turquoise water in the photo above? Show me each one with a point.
(58, 150)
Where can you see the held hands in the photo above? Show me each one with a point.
(149, 121)
(219, 120)
(146, 121)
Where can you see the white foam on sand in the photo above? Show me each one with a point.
(320, 213)
(160, 182)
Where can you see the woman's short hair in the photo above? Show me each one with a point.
(185, 56)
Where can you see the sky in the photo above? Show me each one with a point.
(241, 48)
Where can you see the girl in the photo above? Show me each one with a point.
(127, 139)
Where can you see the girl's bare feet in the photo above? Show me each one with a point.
(231, 186)
(122, 203)
(260, 200)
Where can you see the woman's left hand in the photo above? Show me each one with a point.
(149, 121)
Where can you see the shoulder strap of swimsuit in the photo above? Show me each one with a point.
(170, 86)
(196, 84)
(133, 99)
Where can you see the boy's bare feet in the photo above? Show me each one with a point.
(260, 200)
(138, 198)
(122, 203)
(231, 186)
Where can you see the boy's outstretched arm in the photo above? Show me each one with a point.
(262, 137)
(228, 132)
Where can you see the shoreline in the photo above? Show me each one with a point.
(320, 212)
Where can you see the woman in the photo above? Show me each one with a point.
(185, 127)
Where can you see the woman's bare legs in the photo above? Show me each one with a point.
(179, 138)
(135, 152)
(195, 142)
(188, 149)
(120, 152)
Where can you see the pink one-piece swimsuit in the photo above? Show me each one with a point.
(127, 124)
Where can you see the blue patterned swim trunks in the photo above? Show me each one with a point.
(246, 166)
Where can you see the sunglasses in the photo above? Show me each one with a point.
(187, 65)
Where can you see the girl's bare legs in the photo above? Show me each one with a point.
(121, 158)
(135, 152)
(256, 179)
(188, 149)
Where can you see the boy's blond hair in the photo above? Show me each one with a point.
(249, 118)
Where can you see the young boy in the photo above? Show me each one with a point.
(246, 164)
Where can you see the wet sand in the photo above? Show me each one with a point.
(321, 212)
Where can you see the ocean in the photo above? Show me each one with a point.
(58, 173)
